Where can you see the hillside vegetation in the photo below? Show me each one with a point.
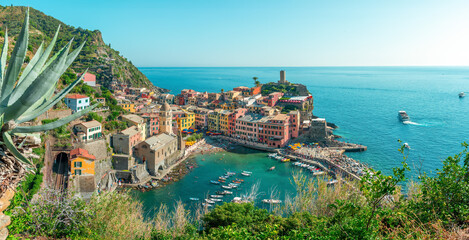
(100, 58)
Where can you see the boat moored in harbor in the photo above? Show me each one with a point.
(271, 201)
(214, 182)
(194, 199)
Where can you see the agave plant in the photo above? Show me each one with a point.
(25, 97)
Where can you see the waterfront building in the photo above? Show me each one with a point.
(77, 102)
(214, 120)
(89, 79)
(135, 120)
(275, 130)
(81, 162)
(124, 141)
(201, 117)
(88, 131)
(152, 125)
(186, 121)
(223, 121)
(294, 123)
(166, 119)
(159, 152)
(234, 115)
(247, 127)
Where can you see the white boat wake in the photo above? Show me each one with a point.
(411, 123)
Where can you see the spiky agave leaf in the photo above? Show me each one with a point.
(49, 103)
(3, 58)
(11, 146)
(39, 87)
(31, 63)
(16, 60)
(52, 125)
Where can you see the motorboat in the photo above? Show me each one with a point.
(227, 187)
(406, 145)
(272, 168)
(215, 199)
(461, 94)
(224, 192)
(271, 201)
(207, 205)
(216, 196)
(209, 201)
(194, 199)
(214, 182)
(246, 174)
(403, 116)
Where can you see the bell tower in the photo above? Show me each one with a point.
(166, 119)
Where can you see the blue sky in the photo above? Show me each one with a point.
(273, 32)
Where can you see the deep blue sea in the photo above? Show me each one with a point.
(363, 102)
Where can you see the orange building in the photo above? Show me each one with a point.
(81, 162)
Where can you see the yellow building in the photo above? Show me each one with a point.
(214, 120)
(81, 162)
(224, 121)
(187, 121)
(128, 107)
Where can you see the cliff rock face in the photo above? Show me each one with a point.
(102, 60)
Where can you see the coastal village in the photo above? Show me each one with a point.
(142, 144)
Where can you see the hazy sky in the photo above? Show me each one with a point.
(274, 32)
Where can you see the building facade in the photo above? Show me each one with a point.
(81, 162)
(124, 141)
(88, 131)
(77, 102)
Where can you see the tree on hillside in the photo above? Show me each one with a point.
(256, 82)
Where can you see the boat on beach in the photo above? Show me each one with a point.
(271, 201)
(403, 116)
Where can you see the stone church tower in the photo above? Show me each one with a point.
(166, 119)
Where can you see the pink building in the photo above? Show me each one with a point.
(151, 119)
(275, 130)
(273, 98)
(294, 124)
(237, 113)
(247, 127)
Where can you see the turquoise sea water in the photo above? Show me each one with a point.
(362, 101)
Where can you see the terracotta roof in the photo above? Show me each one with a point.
(81, 152)
(76, 96)
(89, 77)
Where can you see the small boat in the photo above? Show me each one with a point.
(319, 173)
(230, 173)
(403, 116)
(234, 181)
(461, 94)
(272, 155)
(285, 160)
(272, 168)
(239, 180)
(406, 145)
(194, 199)
(206, 205)
(227, 187)
(221, 180)
(214, 182)
(216, 196)
(271, 201)
(246, 174)
(215, 199)
(209, 201)
(224, 192)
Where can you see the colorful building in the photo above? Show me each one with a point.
(124, 141)
(81, 162)
(134, 120)
(214, 120)
(186, 121)
(247, 127)
(235, 114)
(77, 102)
(275, 130)
(201, 117)
(152, 124)
(223, 120)
(88, 131)
(89, 79)
(130, 107)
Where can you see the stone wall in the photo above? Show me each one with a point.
(51, 114)
(5, 219)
